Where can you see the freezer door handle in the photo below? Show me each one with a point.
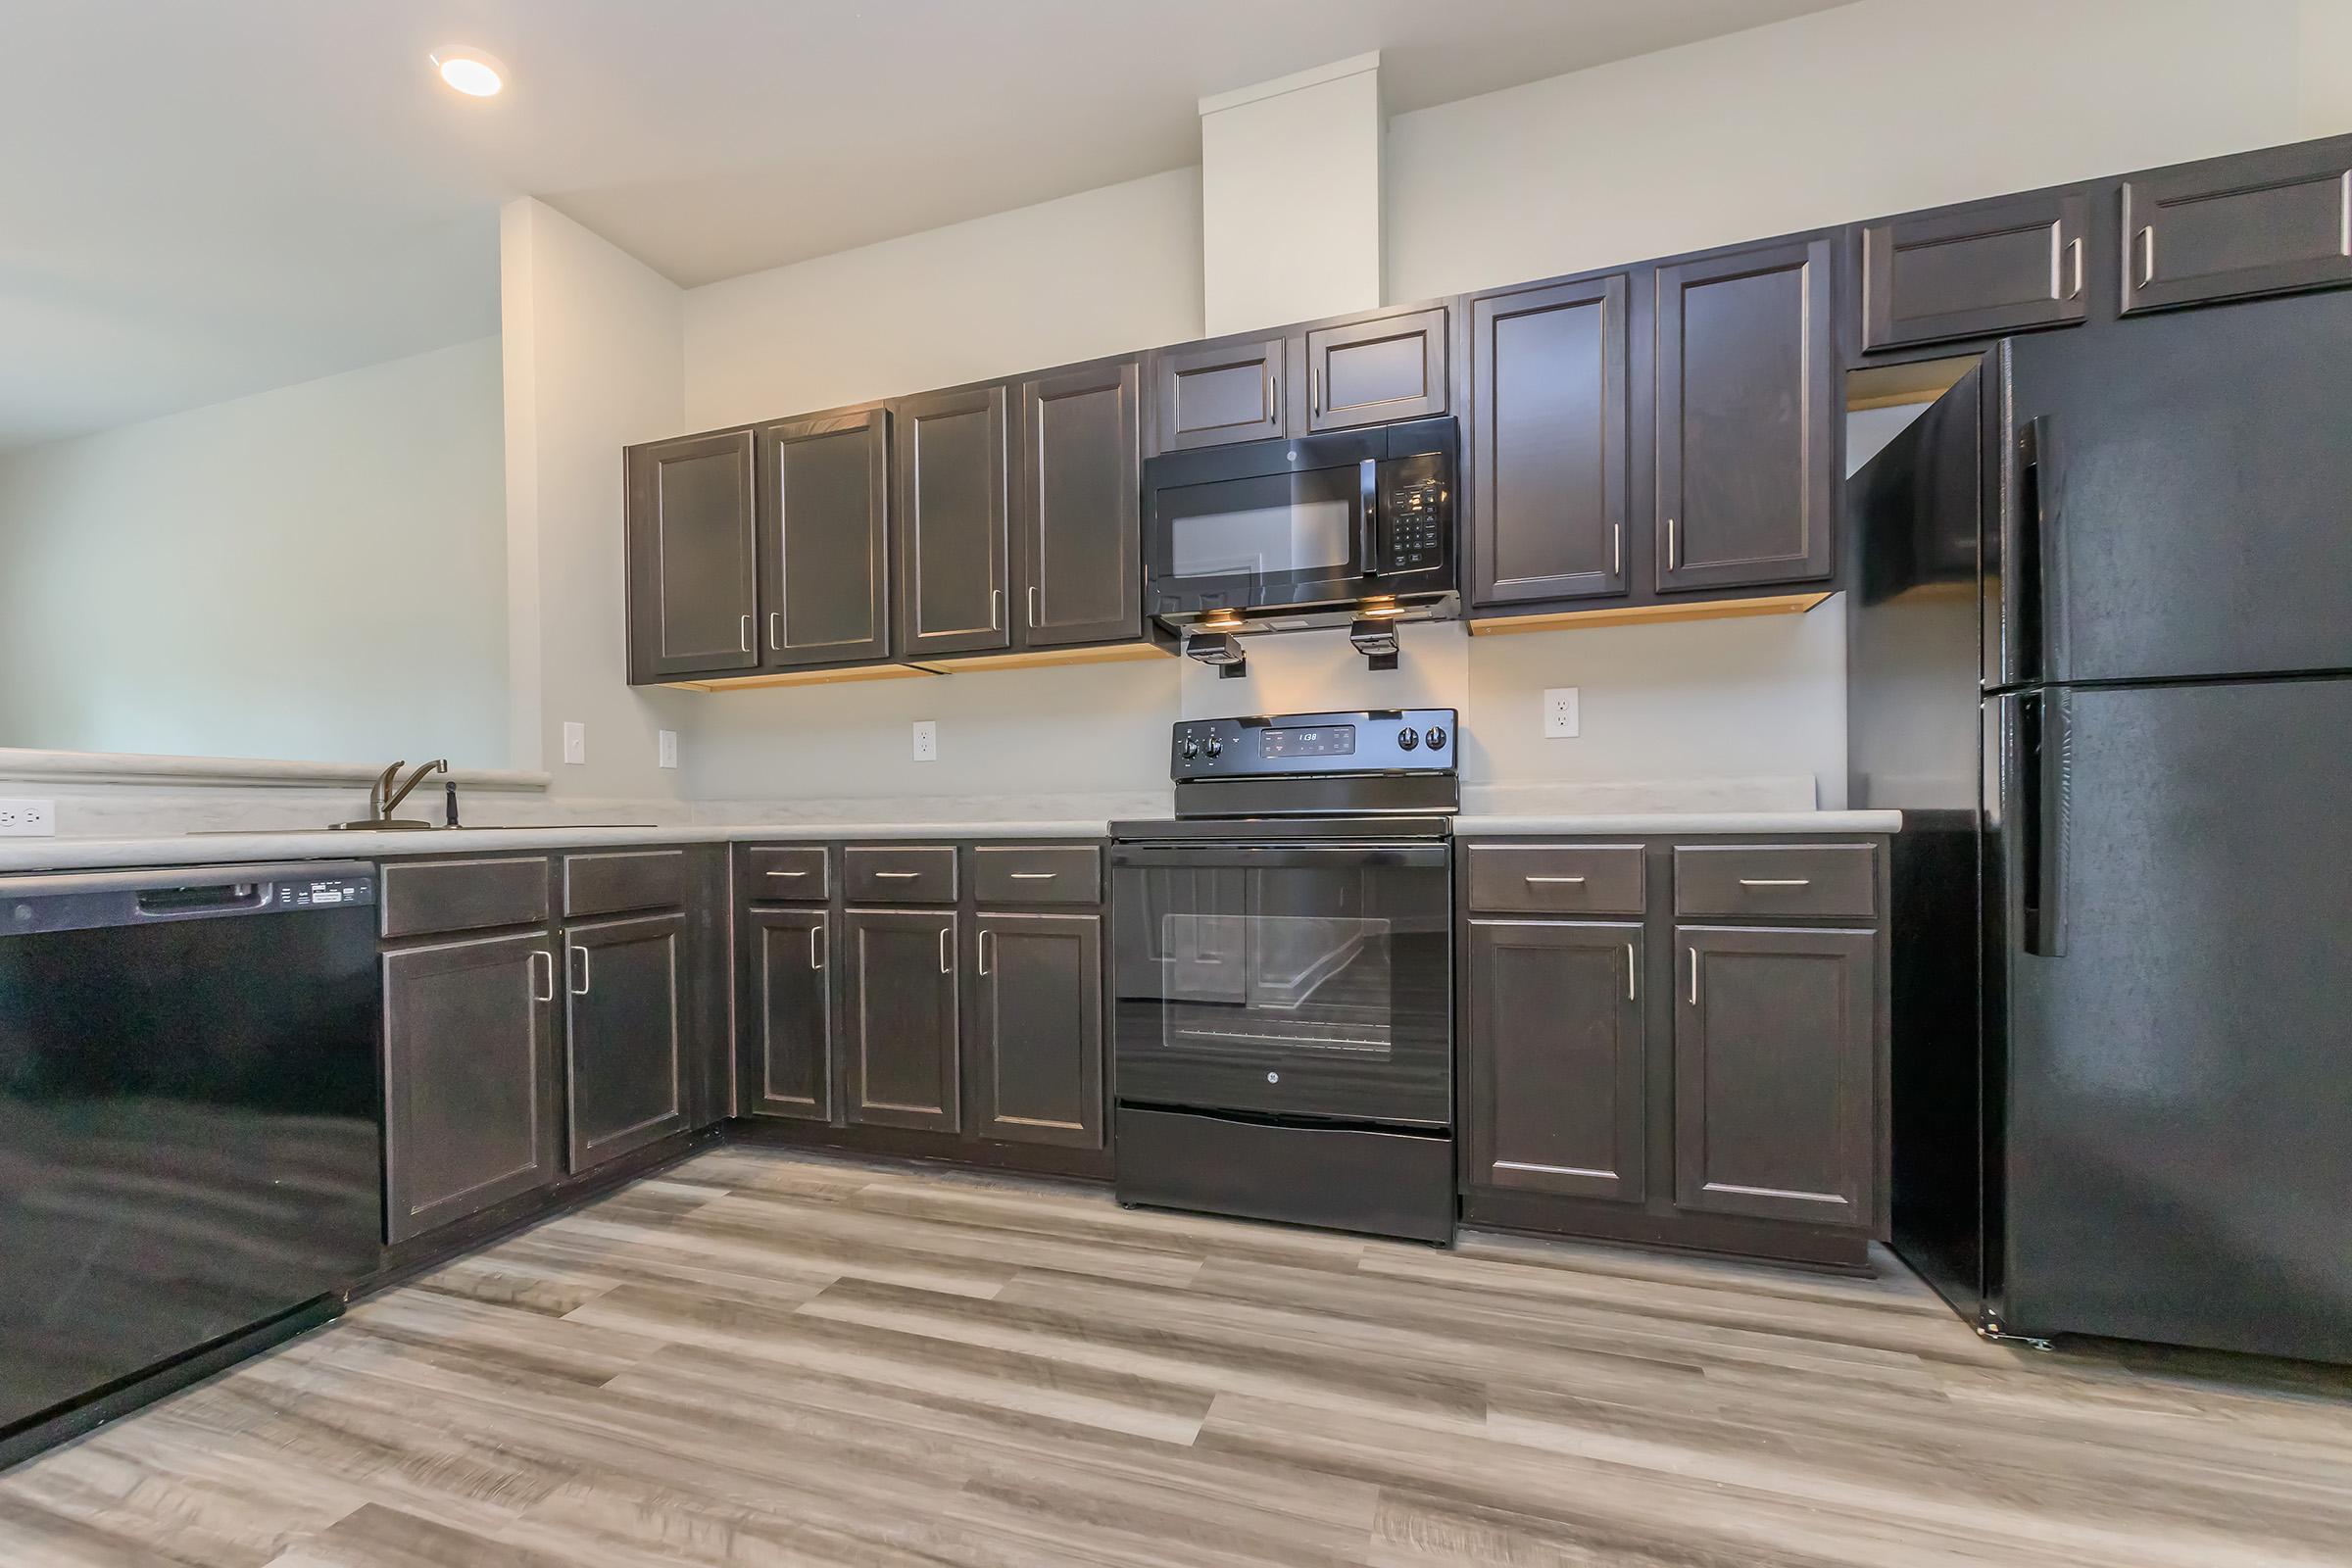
(2044, 751)
(2037, 560)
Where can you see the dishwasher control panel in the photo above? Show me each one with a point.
(333, 890)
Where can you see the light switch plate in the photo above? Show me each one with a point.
(27, 819)
(926, 740)
(669, 748)
(1560, 712)
(575, 741)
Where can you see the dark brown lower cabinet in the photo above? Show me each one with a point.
(899, 1017)
(791, 1013)
(624, 1035)
(1557, 1057)
(1774, 1073)
(469, 1030)
(1037, 1028)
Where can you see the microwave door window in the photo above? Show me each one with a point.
(1280, 525)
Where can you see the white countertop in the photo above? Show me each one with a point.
(222, 849)
(1670, 822)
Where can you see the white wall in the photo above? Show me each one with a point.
(313, 573)
(594, 363)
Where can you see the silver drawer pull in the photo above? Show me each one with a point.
(947, 964)
(1035, 876)
(1572, 879)
(787, 873)
(898, 877)
(1776, 881)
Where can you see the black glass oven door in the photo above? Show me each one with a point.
(1291, 537)
(1305, 980)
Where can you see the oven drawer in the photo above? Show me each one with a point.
(1556, 878)
(1030, 873)
(789, 873)
(1834, 880)
(893, 874)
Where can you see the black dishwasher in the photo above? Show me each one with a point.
(190, 1125)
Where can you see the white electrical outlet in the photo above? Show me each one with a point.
(1559, 712)
(575, 741)
(926, 740)
(27, 819)
(669, 748)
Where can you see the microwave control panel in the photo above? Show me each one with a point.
(1416, 505)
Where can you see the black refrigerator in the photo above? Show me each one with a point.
(2100, 653)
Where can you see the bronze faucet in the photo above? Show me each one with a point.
(383, 799)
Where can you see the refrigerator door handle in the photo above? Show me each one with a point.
(2045, 744)
(2036, 562)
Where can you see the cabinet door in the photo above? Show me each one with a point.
(2267, 223)
(1207, 394)
(1377, 371)
(1978, 271)
(623, 1029)
(468, 1113)
(953, 492)
(693, 552)
(1081, 521)
(789, 1015)
(1746, 417)
(1548, 427)
(824, 526)
(1775, 1078)
(1037, 1028)
(898, 1017)
(1556, 1058)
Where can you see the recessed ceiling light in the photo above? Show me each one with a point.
(469, 70)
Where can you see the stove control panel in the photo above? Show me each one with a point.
(1409, 740)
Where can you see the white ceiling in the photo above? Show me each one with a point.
(203, 200)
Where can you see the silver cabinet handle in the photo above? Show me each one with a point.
(1033, 604)
(1274, 399)
(1695, 977)
(1035, 876)
(1314, 390)
(1629, 971)
(985, 934)
(548, 992)
(581, 982)
(1673, 556)
(1776, 881)
(945, 963)
(895, 876)
(2146, 240)
(1616, 549)
(996, 608)
(1573, 879)
(746, 638)
(775, 637)
(817, 946)
(787, 873)
(2073, 258)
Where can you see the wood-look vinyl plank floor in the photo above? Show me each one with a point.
(761, 1358)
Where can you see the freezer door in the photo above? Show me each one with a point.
(2176, 499)
(2178, 1115)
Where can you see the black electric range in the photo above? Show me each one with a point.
(1283, 1031)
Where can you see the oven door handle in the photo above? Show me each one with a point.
(1255, 857)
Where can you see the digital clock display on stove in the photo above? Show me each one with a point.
(1323, 740)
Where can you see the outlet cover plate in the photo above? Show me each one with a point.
(1560, 712)
(27, 819)
(926, 740)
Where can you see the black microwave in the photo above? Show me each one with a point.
(1307, 531)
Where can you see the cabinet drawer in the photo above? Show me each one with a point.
(1556, 878)
(798, 873)
(1030, 874)
(920, 875)
(1775, 879)
(433, 896)
(622, 880)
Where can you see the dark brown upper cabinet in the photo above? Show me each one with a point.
(2267, 222)
(1037, 1029)
(1774, 1073)
(1080, 522)
(824, 529)
(1747, 416)
(1372, 373)
(899, 1017)
(953, 492)
(1549, 421)
(1556, 1058)
(693, 556)
(624, 1035)
(468, 1041)
(1980, 270)
(1208, 394)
